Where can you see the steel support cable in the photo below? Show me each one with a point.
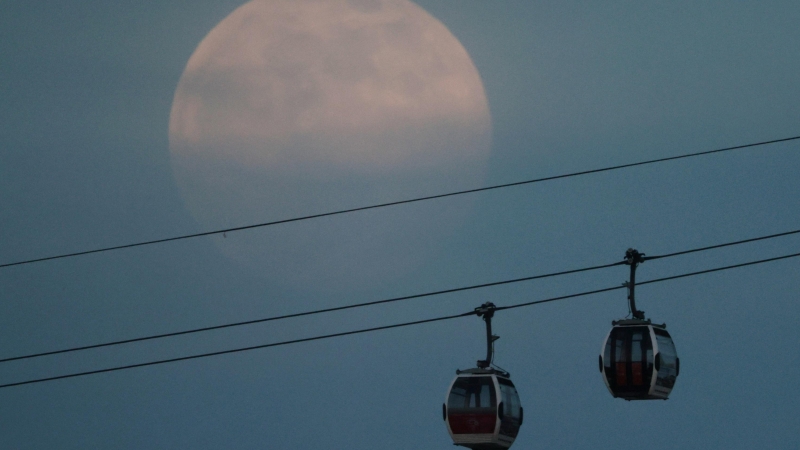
(236, 350)
(727, 244)
(395, 203)
(657, 280)
(378, 302)
(308, 313)
(385, 327)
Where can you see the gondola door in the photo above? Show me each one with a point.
(472, 406)
(628, 361)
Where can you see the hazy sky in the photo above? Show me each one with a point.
(87, 88)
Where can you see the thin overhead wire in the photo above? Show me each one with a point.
(395, 203)
(385, 327)
(309, 313)
(727, 244)
(384, 301)
(237, 350)
(657, 280)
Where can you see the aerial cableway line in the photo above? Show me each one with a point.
(385, 301)
(394, 203)
(386, 327)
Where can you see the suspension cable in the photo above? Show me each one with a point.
(395, 203)
(386, 327)
(379, 302)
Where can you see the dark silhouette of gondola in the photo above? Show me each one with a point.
(482, 409)
(638, 359)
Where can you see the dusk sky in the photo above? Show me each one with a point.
(118, 126)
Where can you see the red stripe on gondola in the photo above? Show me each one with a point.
(472, 423)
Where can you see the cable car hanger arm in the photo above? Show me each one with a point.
(486, 311)
(633, 258)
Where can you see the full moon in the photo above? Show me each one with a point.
(296, 107)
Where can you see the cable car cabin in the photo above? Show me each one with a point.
(482, 410)
(638, 360)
